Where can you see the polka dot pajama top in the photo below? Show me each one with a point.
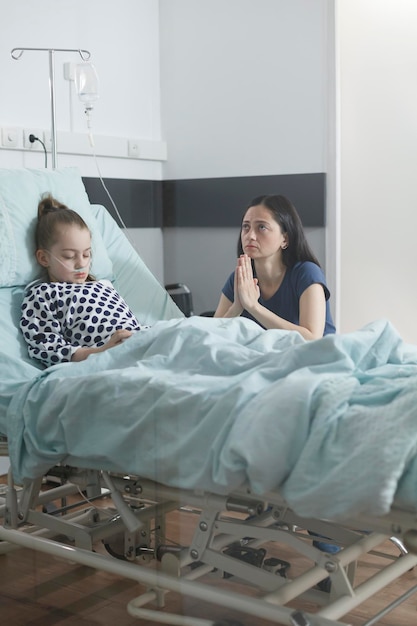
(58, 318)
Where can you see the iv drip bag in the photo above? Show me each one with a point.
(86, 83)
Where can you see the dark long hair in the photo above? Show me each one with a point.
(51, 215)
(286, 216)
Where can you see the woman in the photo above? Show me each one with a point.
(278, 281)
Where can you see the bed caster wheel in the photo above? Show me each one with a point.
(115, 546)
(113, 553)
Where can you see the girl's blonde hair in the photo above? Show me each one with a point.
(51, 215)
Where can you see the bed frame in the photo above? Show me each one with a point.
(232, 541)
(236, 537)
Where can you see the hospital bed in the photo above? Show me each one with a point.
(263, 439)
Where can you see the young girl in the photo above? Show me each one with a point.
(278, 281)
(70, 315)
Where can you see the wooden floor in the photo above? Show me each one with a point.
(40, 590)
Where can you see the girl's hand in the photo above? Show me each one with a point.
(82, 353)
(246, 285)
(117, 338)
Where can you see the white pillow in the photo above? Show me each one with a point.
(20, 192)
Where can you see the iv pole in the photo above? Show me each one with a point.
(16, 54)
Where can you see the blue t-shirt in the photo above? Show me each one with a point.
(286, 300)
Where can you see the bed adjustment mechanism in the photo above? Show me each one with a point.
(240, 505)
(11, 515)
(132, 523)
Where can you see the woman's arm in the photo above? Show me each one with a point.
(312, 314)
(225, 308)
(312, 304)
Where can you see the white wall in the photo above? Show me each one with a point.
(377, 47)
(244, 92)
(240, 86)
(243, 86)
(123, 39)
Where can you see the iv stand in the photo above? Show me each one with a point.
(16, 54)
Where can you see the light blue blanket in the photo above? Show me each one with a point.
(214, 404)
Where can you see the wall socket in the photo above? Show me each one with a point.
(17, 138)
(38, 132)
(10, 137)
(133, 149)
